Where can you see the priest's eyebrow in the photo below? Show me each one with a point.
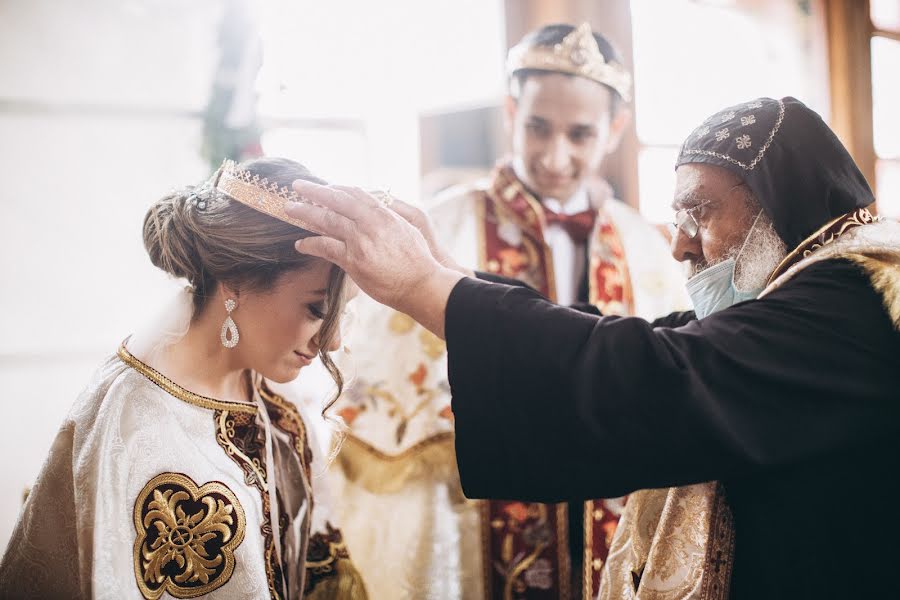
(688, 199)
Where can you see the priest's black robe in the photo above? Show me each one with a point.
(791, 401)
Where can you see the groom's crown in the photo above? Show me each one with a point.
(577, 54)
(257, 193)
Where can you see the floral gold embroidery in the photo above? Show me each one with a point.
(186, 536)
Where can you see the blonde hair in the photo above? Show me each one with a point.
(201, 235)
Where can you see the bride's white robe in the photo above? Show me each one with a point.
(152, 491)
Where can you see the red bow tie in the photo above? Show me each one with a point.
(578, 226)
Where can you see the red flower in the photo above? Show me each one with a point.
(418, 376)
(446, 413)
(349, 414)
(517, 510)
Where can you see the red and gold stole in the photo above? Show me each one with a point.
(526, 548)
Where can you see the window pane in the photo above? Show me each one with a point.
(693, 58)
(332, 154)
(656, 174)
(887, 175)
(886, 96)
(885, 14)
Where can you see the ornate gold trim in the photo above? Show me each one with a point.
(812, 243)
(228, 520)
(562, 549)
(587, 587)
(578, 54)
(172, 388)
(719, 559)
(382, 473)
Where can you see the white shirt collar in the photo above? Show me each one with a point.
(577, 203)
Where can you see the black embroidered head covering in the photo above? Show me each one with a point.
(795, 165)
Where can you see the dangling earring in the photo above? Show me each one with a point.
(229, 334)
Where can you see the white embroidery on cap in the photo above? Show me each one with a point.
(722, 134)
(743, 142)
(762, 150)
(749, 120)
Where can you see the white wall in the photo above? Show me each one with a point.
(96, 99)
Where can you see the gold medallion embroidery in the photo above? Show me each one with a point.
(186, 536)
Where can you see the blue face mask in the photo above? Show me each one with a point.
(713, 289)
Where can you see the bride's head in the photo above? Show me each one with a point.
(286, 306)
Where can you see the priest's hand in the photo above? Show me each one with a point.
(418, 219)
(387, 257)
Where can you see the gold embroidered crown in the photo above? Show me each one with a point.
(257, 193)
(578, 54)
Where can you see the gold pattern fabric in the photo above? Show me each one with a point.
(186, 536)
(671, 544)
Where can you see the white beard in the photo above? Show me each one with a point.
(763, 252)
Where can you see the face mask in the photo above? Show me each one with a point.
(713, 289)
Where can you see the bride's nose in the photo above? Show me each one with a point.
(335, 343)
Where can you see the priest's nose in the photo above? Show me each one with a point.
(684, 248)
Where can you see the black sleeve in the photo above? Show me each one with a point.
(551, 404)
(494, 278)
(673, 320)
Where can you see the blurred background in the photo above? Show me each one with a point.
(105, 105)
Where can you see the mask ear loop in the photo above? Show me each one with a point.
(743, 246)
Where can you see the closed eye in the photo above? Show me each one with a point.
(317, 310)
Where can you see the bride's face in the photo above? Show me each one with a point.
(279, 328)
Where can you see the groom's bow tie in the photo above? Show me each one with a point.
(578, 226)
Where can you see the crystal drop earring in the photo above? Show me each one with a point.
(229, 334)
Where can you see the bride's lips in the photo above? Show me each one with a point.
(305, 359)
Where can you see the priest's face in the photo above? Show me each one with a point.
(722, 210)
(561, 128)
(279, 327)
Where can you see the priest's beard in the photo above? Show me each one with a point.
(762, 253)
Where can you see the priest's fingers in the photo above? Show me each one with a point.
(321, 220)
(332, 250)
(334, 198)
(372, 199)
(409, 212)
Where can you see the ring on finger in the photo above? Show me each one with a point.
(384, 198)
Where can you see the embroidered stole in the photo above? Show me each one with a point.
(526, 547)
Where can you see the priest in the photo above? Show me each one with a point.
(783, 387)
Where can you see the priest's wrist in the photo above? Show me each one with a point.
(426, 302)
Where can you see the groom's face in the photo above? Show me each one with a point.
(561, 127)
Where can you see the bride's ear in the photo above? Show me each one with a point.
(228, 292)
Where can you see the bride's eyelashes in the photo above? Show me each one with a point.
(317, 310)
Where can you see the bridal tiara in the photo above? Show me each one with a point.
(267, 197)
(258, 193)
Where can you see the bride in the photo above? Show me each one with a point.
(180, 470)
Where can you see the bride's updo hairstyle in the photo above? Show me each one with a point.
(201, 235)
